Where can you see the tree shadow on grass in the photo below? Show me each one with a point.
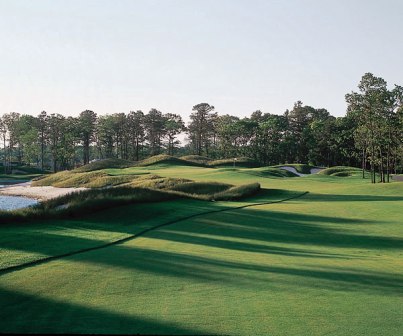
(29, 313)
(247, 229)
(259, 276)
(257, 228)
(251, 230)
(241, 230)
(316, 197)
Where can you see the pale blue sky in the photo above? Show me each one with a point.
(65, 56)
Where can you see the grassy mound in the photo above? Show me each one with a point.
(164, 159)
(157, 182)
(341, 171)
(268, 172)
(237, 192)
(154, 189)
(94, 179)
(84, 202)
(242, 162)
(104, 164)
(201, 188)
(51, 179)
(196, 159)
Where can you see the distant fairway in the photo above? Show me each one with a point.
(324, 263)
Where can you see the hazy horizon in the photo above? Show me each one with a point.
(240, 56)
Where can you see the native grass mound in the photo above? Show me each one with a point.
(341, 171)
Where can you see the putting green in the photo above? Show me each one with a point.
(328, 262)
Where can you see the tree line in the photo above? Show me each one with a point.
(370, 135)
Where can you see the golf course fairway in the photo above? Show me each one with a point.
(313, 255)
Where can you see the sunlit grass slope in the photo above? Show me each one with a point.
(325, 263)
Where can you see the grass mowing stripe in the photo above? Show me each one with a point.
(134, 236)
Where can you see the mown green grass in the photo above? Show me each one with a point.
(19, 239)
(328, 262)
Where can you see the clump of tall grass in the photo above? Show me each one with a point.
(214, 191)
(47, 180)
(201, 188)
(157, 182)
(80, 203)
(93, 179)
(237, 192)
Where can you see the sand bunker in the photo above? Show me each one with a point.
(293, 170)
(39, 193)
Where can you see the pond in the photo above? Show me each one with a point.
(14, 202)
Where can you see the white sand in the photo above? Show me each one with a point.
(316, 170)
(39, 193)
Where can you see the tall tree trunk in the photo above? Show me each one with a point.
(86, 150)
(363, 163)
(42, 149)
(137, 149)
(5, 154)
(373, 165)
(381, 167)
(388, 162)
